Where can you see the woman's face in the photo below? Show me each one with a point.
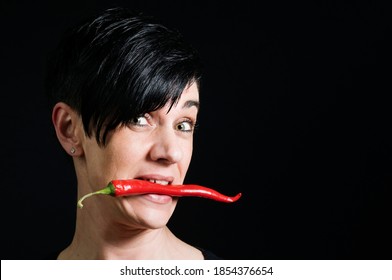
(156, 147)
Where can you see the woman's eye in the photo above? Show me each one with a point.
(186, 126)
(140, 121)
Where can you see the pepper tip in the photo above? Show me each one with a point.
(231, 199)
(237, 197)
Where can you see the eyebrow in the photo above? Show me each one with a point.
(191, 103)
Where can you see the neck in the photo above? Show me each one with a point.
(147, 244)
(98, 238)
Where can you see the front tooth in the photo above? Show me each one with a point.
(161, 182)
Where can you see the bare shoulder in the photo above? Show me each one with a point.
(187, 252)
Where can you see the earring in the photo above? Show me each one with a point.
(73, 150)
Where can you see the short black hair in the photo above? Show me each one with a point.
(117, 66)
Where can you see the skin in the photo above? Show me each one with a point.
(157, 146)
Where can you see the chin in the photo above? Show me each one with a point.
(153, 214)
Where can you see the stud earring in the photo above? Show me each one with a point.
(73, 150)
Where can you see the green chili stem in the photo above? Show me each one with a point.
(108, 190)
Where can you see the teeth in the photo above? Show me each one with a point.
(161, 182)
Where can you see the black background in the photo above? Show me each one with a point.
(295, 115)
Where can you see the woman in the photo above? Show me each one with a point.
(124, 91)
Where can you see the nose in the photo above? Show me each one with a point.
(167, 148)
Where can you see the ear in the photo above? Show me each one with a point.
(68, 128)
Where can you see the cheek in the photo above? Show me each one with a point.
(121, 157)
(112, 161)
(124, 153)
(187, 156)
(124, 158)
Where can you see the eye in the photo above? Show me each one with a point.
(186, 126)
(140, 121)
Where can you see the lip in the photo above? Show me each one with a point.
(159, 177)
(153, 197)
(158, 198)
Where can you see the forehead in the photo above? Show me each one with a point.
(189, 99)
(191, 92)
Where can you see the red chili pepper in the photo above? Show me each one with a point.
(134, 187)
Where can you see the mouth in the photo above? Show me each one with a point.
(157, 181)
(154, 197)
